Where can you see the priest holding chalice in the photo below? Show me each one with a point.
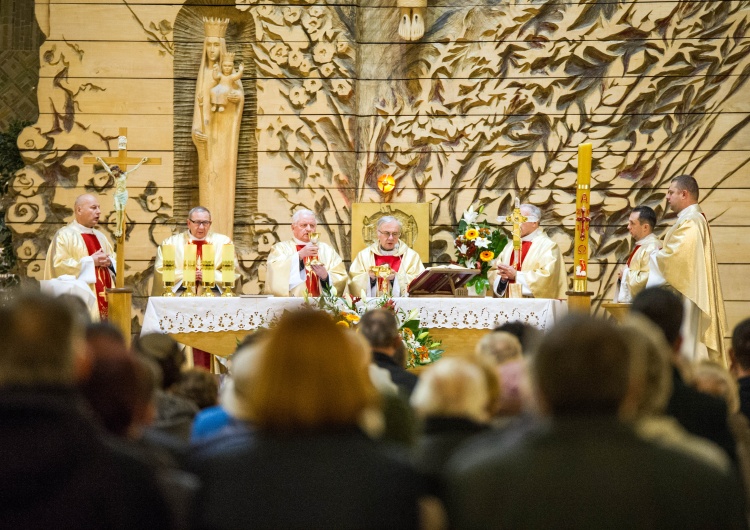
(387, 266)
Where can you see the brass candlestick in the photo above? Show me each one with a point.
(168, 278)
(189, 289)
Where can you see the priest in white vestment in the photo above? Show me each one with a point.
(81, 251)
(541, 273)
(292, 268)
(687, 263)
(198, 233)
(387, 250)
(634, 275)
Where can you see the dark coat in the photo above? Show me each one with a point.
(588, 473)
(404, 380)
(58, 471)
(337, 479)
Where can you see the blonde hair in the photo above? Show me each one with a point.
(310, 376)
(499, 347)
(712, 378)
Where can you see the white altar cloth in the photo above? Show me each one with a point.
(212, 315)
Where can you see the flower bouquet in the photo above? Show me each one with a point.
(477, 245)
(347, 310)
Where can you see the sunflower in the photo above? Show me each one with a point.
(351, 317)
(486, 255)
(471, 234)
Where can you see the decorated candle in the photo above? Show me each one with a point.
(207, 266)
(188, 271)
(227, 264)
(583, 217)
(167, 254)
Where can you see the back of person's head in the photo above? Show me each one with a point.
(741, 344)
(651, 373)
(102, 337)
(582, 368)
(39, 340)
(528, 335)
(235, 394)
(380, 328)
(199, 386)
(712, 378)
(309, 377)
(453, 387)
(499, 347)
(663, 308)
(164, 351)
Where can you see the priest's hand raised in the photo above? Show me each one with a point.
(308, 251)
(320, 271)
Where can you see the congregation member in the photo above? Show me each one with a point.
(404, 262)
(687, 264)
(740, 363)
(300, 265)
(632, 278)
(198, 233)
(503, 351)
(541, 273)
(699, 413)
(80, 250)
(58, 468)
(452, 398)
(585, 468)
(311, 465)
(380, 328)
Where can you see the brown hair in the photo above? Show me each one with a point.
(309, 376)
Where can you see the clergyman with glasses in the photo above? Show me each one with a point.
(403, 263)
(198, 233)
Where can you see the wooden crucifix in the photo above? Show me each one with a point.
(121, 161)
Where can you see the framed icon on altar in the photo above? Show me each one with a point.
(414, 217)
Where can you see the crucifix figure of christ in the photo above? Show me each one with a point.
(121, 162)
(516, 218)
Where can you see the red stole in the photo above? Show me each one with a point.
(103, 277)
(312, 282)
(200, 358)
(630, 258)
(525, 246)
(198, 247)
(394, 262)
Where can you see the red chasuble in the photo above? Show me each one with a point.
(103, 276)
(312, 282)
(525, 246)
(200, 358)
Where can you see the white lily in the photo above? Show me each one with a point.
(482, 242)
(470, 216)
(462, 249)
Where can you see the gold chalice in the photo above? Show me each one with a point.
(314, 237)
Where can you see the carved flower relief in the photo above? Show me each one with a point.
(311, 23)
(295, 58)
(342, 46)
(312, 85)
(30, 211)
(292, 14)
(28, 250)
(317, 11)
(272, 128)
(342, 87)
(266, 10)
(27, 181)
(323, 52)
(327, 70)
(305, 66)
(298, 96)
(279, 53)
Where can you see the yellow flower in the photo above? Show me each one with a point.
(471, 234)
(352, 318)
(343, 323)
(486, 255)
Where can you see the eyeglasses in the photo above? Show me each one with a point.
(389, 234)
(200, 223)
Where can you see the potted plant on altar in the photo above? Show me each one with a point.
(477, 246)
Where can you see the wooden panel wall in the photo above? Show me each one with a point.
(490, 104)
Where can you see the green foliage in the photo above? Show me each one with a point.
(10, 162)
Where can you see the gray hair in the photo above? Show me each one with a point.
(499, 347)
(389, 219)
(452, 387)
(534, 211)
(199, 209)
(303, 212)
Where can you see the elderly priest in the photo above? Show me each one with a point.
(304, 263)
(541, 272)
(80, 250)
(389, 250)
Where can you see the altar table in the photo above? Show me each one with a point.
(217, 324)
